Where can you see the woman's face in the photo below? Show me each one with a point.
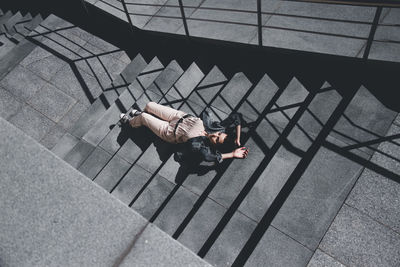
(217, 138)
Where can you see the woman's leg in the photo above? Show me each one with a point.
(163, 112)
(157, 126)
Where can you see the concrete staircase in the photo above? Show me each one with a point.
(14, 28)
(68, 92)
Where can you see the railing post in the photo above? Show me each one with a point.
(184, 18)
(259, 23)
(127, 14)
(84, 6)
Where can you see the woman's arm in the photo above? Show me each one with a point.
(239, 153)
(237, 140)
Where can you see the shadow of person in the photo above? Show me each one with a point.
(194, 167)
(141, 136)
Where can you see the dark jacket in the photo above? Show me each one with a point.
(199, 148)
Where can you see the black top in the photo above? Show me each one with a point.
(199, 148)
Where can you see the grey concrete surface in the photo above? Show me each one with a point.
(153, 196)
(9, 104)
(94, 163)
(51, 102)
(22, 83)
(282, 251)
(366, 118)
(154, 248)
(317, 197)
(375, 194)
(52, 137)
(131, 184)
(322, 259)
(79, 153)
(335, 29)
(353, 233)
(231, 240)
(55, 216)
(201, 225)
(32, 122)
(112, 172)
(64, 146)
(269, 184)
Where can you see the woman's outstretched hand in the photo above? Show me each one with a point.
(240, 152)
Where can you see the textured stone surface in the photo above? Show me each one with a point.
(32, 122)
(277, 249)
(49, 208)
(52, 102)
(64, 146)
(112, 173)
(131, 184)
(385, 51)
(364, 119)
(69, 119)
(46, 67)
(154, 248)
(79, 153)
(9, 104)
(352, 234)
(22, 83)
(176, 210)
(232, 239)
(201, 225)
(376, 195)
(316, 198)
(52, 137)
(94, 163)
(321, 259)
(153, 196)
(49, 216)
(269, 184)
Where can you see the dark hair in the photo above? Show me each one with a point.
(228, 145)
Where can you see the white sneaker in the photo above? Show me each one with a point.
(124, 118)
(134, 112)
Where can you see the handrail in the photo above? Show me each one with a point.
(259, 13)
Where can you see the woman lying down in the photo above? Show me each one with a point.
(199, 139)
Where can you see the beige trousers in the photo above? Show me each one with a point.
(164, 125)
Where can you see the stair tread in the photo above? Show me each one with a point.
(23, 29)
(5, 17)
(100, 129)
(96, 110)
(7, 26)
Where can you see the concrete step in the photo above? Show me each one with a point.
(130, 150)
(7, 27)
(133, 149)
(4, 18)
(69, 150)
(101, 128)
(111, 143)
(6, 45)
(84, 147)
(11, 29)
(100, 105)
(52, 89)
(59, 199)
(116, 166)
(24, 29)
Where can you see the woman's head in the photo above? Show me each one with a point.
(217, 138)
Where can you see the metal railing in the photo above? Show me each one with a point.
(257, 17)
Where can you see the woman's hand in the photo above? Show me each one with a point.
(240, 153)
(237, 142)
